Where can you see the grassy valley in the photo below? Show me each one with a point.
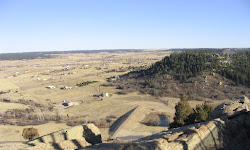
(68, 89)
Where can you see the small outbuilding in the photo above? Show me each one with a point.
(104, 94)
(50, 87)
(34, 76)
(66, 88)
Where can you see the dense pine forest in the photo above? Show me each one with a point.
(199, 74)
(237, 68)
(188, 64)
(183, 65)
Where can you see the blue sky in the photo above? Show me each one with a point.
(48, 25)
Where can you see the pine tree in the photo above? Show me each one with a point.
(182, 112)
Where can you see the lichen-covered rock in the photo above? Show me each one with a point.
(231, 108)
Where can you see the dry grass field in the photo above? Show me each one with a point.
(58, 72)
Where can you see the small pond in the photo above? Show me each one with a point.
(164, 121)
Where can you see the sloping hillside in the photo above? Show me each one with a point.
(200, 75)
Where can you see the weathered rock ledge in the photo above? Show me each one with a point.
(72, 138)
(230, 131)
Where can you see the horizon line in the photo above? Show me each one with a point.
(122, 49)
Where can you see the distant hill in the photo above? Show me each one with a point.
(21, 56)
(50, 54)
(215, 50)
(199, 74)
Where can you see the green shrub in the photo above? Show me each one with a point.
(85, 83)
(183, 113)
(30, 133)
(203, 112)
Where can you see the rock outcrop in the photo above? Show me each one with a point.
(72, 138)
(231, 130)
(231, 108)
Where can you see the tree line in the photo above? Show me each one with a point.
(184, 65)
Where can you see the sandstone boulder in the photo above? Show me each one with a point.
(92, 134)
(243, 99)
(76, 137)
(231, 108)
